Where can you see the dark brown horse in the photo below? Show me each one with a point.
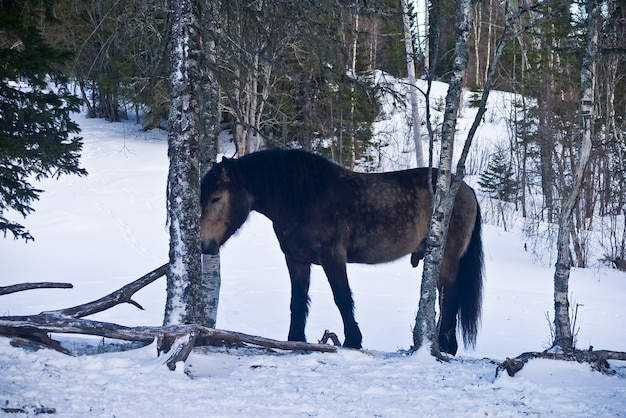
(324, 214)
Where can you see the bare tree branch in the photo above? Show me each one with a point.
(178, 340)
(5, 290)
(597, 359)
(122, 295)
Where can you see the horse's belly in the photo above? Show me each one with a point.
(384, 242)
(380, 253)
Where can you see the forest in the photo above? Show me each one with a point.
(298, 74)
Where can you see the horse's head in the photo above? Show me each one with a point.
(225, 206)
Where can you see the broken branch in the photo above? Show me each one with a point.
(122, 295)
(181, 337)
(5, 290)
(598, 359)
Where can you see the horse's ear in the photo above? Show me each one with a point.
(225, 170)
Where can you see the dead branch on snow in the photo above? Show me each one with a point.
(175, 340)
(598, 359)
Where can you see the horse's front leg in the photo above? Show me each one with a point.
(337, 277)
(300, 274)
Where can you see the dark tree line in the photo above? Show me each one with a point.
(290, 72)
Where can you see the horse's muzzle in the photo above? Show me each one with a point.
(210, 247)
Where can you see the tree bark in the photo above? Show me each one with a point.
(185, 303)
(563, 338)
(352, 141)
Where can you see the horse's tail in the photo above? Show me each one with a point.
(470, 284)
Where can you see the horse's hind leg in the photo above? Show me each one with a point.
(300, 274)
(337, 277)
(449, 301)
(449, 307)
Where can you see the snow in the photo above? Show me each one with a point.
(102, 231)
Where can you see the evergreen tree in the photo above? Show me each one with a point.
(35, 105)
(498, 180)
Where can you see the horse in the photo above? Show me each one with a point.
(327, 215)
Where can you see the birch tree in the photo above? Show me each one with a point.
(563, 337)
(410, 66)
(184, 302)
(211, 278)
(425, 330)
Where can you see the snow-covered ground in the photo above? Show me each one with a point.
(102, 231)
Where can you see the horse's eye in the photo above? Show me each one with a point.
(216, 199)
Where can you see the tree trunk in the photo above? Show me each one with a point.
(563, 338)
(477, 42)
(185, 303)
(352, 141)
(211, 279)
(545, 130)
(410, 65)
(425, 330)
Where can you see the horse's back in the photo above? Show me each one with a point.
(388, 214)
(384, 215)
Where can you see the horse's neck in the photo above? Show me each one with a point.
(273, 209)
(270, 199)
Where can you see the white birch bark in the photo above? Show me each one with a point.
(352, 145)
(443, 208)
(563, 338)
(410, 66)
(211, 278)
(425, 330)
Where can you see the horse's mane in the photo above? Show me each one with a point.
(293, 177)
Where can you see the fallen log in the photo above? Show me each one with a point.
(179, 339)
(55, 323)
(598, 359)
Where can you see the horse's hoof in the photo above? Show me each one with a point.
(448, 344)
(294, 337)
(352, 344)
